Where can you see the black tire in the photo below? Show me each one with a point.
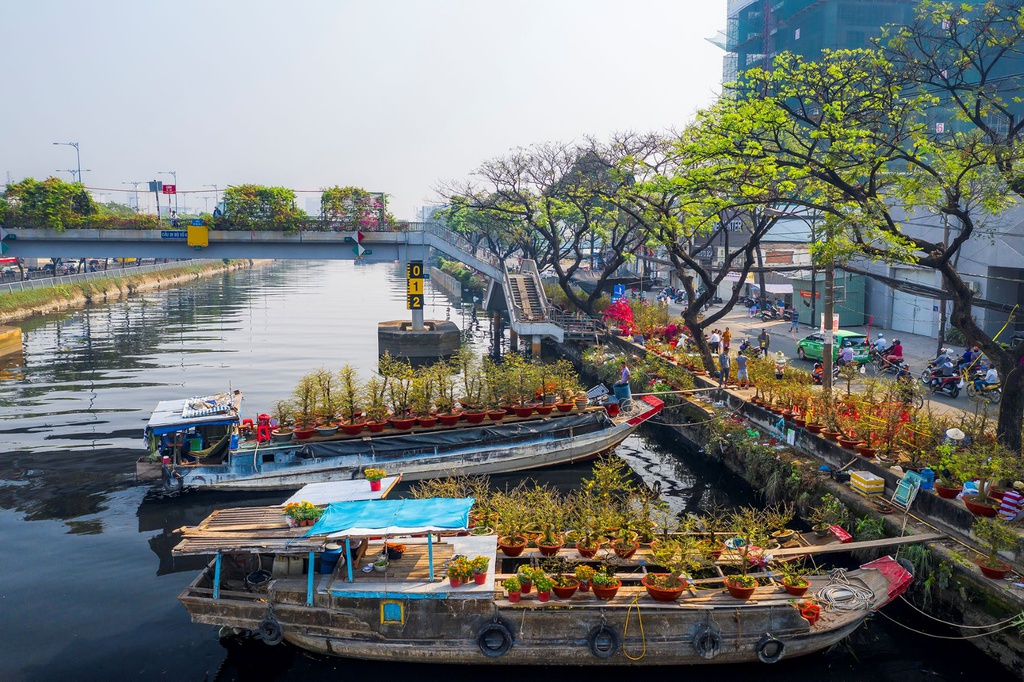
(494, 640)
(172, 481)
(995, 395)
(926, 376)
(801, 354)
(707, 642)
(770, 649)
(270, 631)
(971, 391)
(604, 642)
(954, 392)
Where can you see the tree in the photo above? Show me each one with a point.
(256, 207)
(355, 208)
(50, 204)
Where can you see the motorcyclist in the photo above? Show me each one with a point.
(818, 373)
(880, 343)
(846, 354)
(990, 379)
(944, 354)
(894, 353)
(968, 357)
(942, 372)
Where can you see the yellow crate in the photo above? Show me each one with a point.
(867, 483)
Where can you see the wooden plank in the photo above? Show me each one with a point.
(414, 564)
(851, 546)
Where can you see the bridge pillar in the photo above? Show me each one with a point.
(535, 345)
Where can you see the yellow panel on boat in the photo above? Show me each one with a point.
(392, 613)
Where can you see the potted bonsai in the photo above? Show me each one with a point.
(424, 388)
(445, 400)
(947, 486)
(550, 542)
(564, 586)
(513, 587)
(567, 383)
(327, 403)
(778, 516)
(304, 399)
(829, 512)
(511, 519)
(604, 584)
(995, 536)
(681, 556)
(625, 543)
(376, 404)
(751, 525)
(588, 538)
(283, 410)
(350, 400)
(398, 375)
(793, 579)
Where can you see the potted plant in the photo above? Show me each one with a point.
(681, 556)
(424, 388)
(303, 513)
(588, 539)
(445, 400)
(511, 521)
(381, 564)
(751, 525)
(544, 585)
(584, 574)
(550, 542)
(399, 377)
(793, 579)
(567, 384)
(778, 516)
(459, 570)
(995, 536)
(327, 402)
(625, 543)
(526, 573)
(472, 385)
(304, 400)
(947, 486)
(605, 585)
(829, 512)
(564, 586)
(479, 566)
(350, 401)
(374, 476)
(376, 404)
(513, 587)
(283, 410)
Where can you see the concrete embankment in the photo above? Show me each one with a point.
(18, 305)
(949, 586)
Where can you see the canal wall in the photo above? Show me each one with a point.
(948, 587)
(446, 283)
(40, 297)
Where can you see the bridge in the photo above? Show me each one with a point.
(519, 292)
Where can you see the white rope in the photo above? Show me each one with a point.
(1011, 619)
(841, 594)
(927, 634)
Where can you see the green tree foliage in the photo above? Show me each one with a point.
(355, 208)
(255, 207)
(49, 204)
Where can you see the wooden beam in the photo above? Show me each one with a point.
(851, 546)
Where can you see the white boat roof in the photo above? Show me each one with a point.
(343, 491)
(176, 415)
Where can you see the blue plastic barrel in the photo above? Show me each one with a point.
(622, 392)
(330, 556)
(234, 441)
(927, 479)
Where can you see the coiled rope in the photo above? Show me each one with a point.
(625, 631)
(841, 594)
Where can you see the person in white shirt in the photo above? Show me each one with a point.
(714, 341)
(880, 343)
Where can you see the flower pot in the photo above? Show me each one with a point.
(794, 590)
(353, 429)
(830, 435)
(479, 578)
(543, 596)
(514, 597)
(584, 586)
(375, 485)
(848, 443)
(564, 407)
(815, 428)
(865, 450)
(496, 415)
(523, 411)
(475, 417)
(380, 568)
(977, 508)
(549, 550)
(581, 403)
(512, 547)
(783, 536)
(326, 431)
(612, 409)
(567, 591)
(376, 427)
(625, 551)
(304, 433)
(281, 436)
(602, 592)
(545, 409)
(995, 572)
(426, 422)
(800, 421)
(663, 593)
(996, 493)
(449, 419)
(946, 493)
(456, 582)
(402, 424)
(738, 591)
(527, 585)
(811, 616)
(587, 552)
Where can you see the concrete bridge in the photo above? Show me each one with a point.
(520, 293)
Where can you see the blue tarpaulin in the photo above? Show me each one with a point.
(393, 517)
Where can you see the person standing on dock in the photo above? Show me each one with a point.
(725, 365)
(741, 370)
(764, 340)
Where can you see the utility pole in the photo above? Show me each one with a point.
(830, 286)
(173, 174)
(135, 184)
(78, 157)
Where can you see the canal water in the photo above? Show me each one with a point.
(88, 588)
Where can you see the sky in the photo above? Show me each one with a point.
(393, 96)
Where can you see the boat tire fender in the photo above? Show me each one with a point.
(707, 642)
(494, 639)
(603, 641)
(770, 649)
(172, 480)
(270, 631)
(907, 566)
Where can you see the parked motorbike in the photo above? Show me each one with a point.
(770, 313)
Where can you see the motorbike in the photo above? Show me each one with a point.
(884, 366)
(990, 392)
(816, 378)
(948, 385)
(770, 313)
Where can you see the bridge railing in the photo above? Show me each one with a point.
(461, 243)
(110, 273)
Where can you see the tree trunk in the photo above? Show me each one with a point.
(1011, 407)
(697, 330)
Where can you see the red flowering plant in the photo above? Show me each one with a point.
(621, 314)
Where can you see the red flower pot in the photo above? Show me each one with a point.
(523, 411)
(402, 424)
(606, 592)
(993, 572)
(549, 550)
(545, 409)
(456, 582)
(625, 551)
(449, 419)
(479, 578)
(512, 547)
(738, 591)
(663, 593)
(496, 415)
(353, 429)
(376, 427)
(810, 616)
(979, 509)
(564, 407)
(613, 409)
(567, 591)
(543, 596)
(830, 435)
(375, 485)
(587, 553)
(475, 417)
(794, 590)
(865, 450)
(303, 434)
(945, 493)
(527, 585)
(815, 428)
(584, 586)
(426, 422)
(514, 597)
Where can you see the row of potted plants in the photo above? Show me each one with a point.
(463, 570)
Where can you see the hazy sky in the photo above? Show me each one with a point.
(390, 96)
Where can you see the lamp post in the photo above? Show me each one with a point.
(135, 184)
(216, 195)
(173, 174)
(78, 156)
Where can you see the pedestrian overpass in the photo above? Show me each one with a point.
(519, 292)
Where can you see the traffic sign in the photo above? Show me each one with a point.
(358, 250)
(197, 221)
(3, 236)
(169, 189)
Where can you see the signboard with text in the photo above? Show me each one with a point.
(169, 189)
(414, 285)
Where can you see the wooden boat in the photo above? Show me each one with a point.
(178, 430)
(410, 613)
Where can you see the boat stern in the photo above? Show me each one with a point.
(896, 575)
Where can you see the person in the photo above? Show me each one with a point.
(846, 354)
(1012, 506)
(744, 346)
(714, 341)
(894, 354)
(216, 212)
(944, 355)
(741, 370)
(624, 376)
(764, 341)
(991, 378)
(905, 384)
(794, 324)
(725, 365)
(943, 371)
(780, 364)
(726, 339)
(818, 373)
(752, 312)
(880, 343)
(967, 359)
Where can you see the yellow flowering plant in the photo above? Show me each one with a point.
(372, 474)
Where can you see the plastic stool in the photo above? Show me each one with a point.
(262, 428)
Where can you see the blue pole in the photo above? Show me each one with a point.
(216, 577)
(309, 580)
(348, 559)
(430, 555)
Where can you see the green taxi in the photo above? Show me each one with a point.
(812, 347)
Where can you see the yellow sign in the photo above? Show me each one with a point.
(414, 269)
(414, 302)
(415, 286)
(198, 235)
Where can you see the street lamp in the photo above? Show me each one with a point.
(216, 195)
(78, 155)
(135, 183)
(173, 174)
